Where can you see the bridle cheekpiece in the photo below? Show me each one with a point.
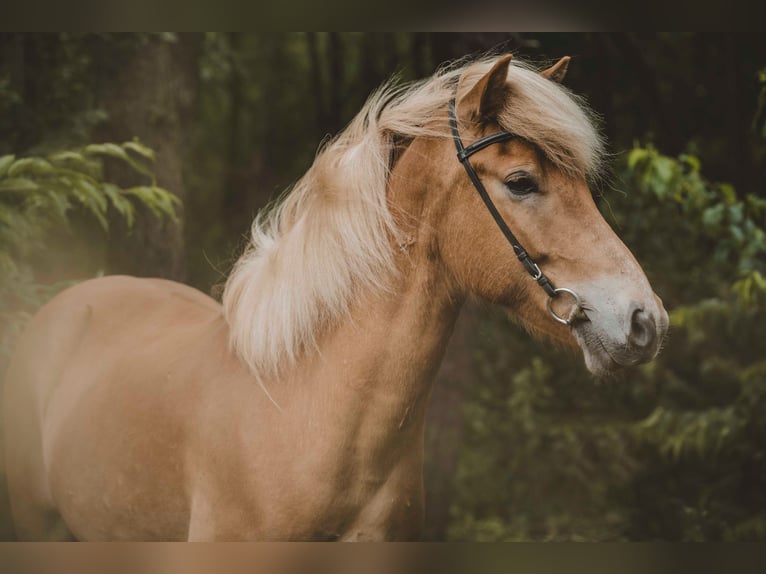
(463, 154)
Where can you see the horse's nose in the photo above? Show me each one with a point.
(643, 331)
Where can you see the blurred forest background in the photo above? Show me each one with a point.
(100, 133)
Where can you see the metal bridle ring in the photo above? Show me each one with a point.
(577, 302)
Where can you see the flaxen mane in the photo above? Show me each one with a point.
(330, 238)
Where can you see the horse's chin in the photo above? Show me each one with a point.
(598, 359)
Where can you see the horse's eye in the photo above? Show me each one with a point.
(521, 185)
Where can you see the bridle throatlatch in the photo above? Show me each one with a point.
(463, 153)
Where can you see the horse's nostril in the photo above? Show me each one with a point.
(643, 330)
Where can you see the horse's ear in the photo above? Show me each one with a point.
(558, 70)
(487, 97)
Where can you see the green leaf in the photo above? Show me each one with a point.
(120, 203)
(692, 161)
(29, 165)
(118, 152)
(76, 161)
(140, 149)
(664, 169)
(108, 149)
(712, 217)
(637, 156)
(159, 201)
(64, 156)
(18, 184)
(728, 193)
(5, 163)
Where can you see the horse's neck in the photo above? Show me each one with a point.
(353, 415)
(390, 349)
(373, 372)
(368, 383)
(378, 364)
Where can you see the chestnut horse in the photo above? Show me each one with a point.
(143, 409)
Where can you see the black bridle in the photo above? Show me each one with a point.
(463, 153)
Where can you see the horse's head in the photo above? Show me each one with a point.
(538, 183)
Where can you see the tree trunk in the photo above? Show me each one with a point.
(312, 43)
(150, 96)
(335, 62)
(234, 192)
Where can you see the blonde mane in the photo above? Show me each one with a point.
(330, 238)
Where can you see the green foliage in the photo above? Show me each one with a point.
(537, 441)
(40, 194)
(711, 212)
(707, 427)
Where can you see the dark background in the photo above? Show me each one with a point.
(522, 444)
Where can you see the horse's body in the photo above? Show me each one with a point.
(191, 447)
(142, 409)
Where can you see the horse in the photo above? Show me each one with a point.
(143, 409)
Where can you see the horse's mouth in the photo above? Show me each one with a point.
(599, 359)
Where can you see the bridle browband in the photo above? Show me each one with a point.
(463, 153)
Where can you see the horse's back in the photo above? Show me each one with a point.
(98, 360)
